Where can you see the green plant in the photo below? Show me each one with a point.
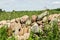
(3, 34)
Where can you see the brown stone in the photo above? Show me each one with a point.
(25, 29)
(17, 20)
(34, 18)
(24, 18)
(45, 19)
(39, 22)
(58, 24)
(26, 36)
(13, 20)
(15, 27)
(51, 17)
(3, 22)
(21, 32)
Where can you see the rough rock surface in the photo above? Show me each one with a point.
(35, 28)
(34, 18)
(24, 18)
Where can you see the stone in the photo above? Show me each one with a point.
(21, 32)
(10, 29)
(35, 28)
(28, 22)
(59, 15)
(39, 22)
(42, 15)
(3, 22)
(24, 18)
(8, 21)
(45, 19)
(41, 26)
(51, 17)
(58, 20)
(17, 20)
(8, 24)
(15, 27)
(55, 15)
(13, 20)
(26, 30)
(12, 25)
(23, 25)
(34, 18)
(20, 37)
(26, 36)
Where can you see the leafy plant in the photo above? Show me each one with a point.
(3, 34)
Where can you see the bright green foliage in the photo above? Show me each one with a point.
(15, 14)
(3, 34)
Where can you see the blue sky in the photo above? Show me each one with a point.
(9, 5)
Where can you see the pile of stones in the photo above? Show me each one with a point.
(21, 27)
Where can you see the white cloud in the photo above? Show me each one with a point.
(28, 4)
(56, 2)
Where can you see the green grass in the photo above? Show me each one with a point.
(15, 14)
(4, 35)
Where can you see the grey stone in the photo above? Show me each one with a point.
(42, 15)
(35, 28)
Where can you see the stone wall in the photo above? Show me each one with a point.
(22, 26)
